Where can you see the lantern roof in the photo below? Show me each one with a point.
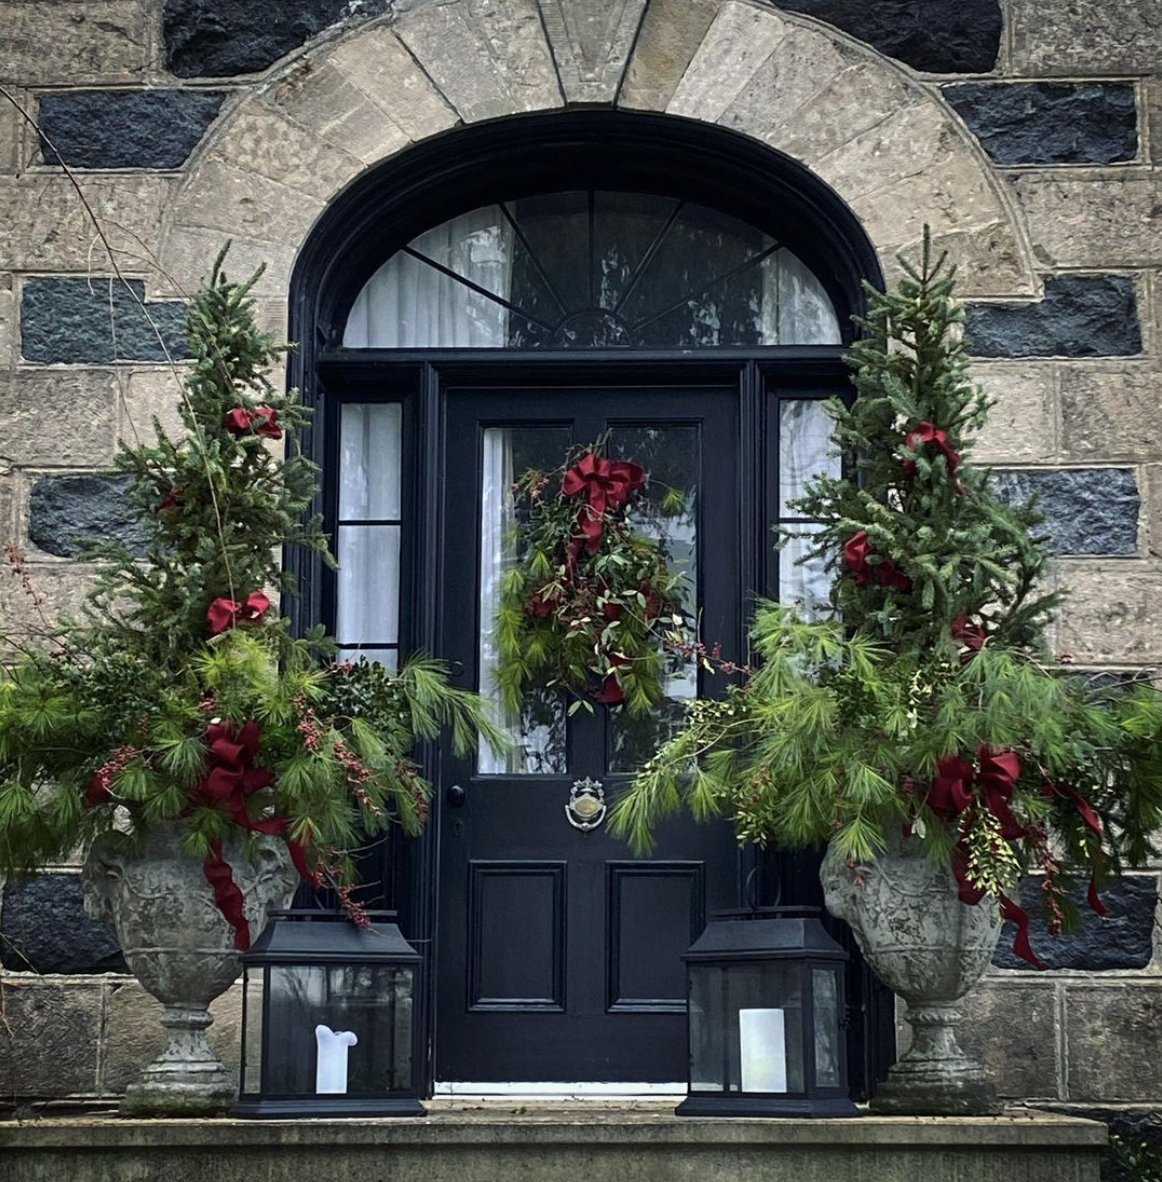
(304, 936)
(765, 933)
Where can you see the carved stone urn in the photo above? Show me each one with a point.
(181, 948)
(930, 949)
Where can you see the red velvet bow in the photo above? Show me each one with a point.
(856, 551)
(998, 782)
(611, 692)
(232, 779)
(607, 486)
(240, 420)
(225, 613)
(972, 636)
(922, 434)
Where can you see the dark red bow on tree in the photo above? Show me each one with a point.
(232, 780)
(240, 420)
(971, 636)
(856, 552)
(925, 433)
(606, 486)
(225, 613)
(611, 692)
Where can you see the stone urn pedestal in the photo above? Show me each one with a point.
(930, 949)
(181, 948)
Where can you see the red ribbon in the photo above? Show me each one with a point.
(611, 692)
(972, 636)
(225, 613)
(925, 433)
(240, 420)
(1086, 812)
(607, 486)
(232, 779)
(856, 552)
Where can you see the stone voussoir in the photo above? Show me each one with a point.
(670, 34)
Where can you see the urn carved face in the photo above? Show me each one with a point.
(155, 895)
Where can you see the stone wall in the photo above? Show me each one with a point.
(1028, 133)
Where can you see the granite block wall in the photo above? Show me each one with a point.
(1027, 132)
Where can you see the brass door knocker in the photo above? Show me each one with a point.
(586, 808)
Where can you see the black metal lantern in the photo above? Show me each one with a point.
(328, 1026)
(766, 1017)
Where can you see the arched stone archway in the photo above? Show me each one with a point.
(884, 141)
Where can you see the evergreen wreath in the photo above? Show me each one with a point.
(590, 604)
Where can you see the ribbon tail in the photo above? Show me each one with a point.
(1014, 913)
(298, 853)
(968, 894)
(227, 896)
(1092, 898)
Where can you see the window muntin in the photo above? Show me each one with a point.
(592, 269)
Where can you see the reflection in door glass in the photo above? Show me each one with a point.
(667, 510)
(538, 735)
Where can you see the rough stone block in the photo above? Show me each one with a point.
(379, 66)
(189, 252)
(325, 102)
(54, 417)
(936, 36)
(1012, 1031)
(47, 228)
(86, 321)
(9, 322)
(75, 42)
(218, 38)
(1113, 613)
(125, 128)
(1080, 316)
(807, 61)
(1122, 940)
(44, 928)
(48, 1039)
(1154, 509)
(232, 200)
(670, 35)
(59, 591)
(591, 44)
(134, 1035)
(738, 42)
(489, 60)
(1111, 1041)
(66, 511)
(1086, 510)
(1111, 220)
(1050, 122)
(1111, 413)
(1021, 426)
(1153, 106)
(1086, 37)
(144, 395)
(12, 134)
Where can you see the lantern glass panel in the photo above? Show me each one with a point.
(253, 982)
(746, 1028)
(826, 990)
(372, 1002)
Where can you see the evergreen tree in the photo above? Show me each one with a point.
(925, 702)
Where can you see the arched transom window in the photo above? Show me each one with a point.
(592, 269)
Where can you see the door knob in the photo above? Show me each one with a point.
(455, 796)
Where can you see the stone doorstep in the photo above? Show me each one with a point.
(586, 1123)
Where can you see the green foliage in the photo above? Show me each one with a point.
(842, 731)
(109, 721)
(596, 624)
(1135, 1159)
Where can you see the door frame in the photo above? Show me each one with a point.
(409, 867)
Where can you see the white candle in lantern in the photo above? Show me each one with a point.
(331, 1068)
(763, 1050)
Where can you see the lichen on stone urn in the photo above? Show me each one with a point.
(930, 949)
(180, 946)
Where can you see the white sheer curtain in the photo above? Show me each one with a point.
(408, 304)
(796, 309)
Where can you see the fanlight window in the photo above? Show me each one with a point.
(592, 269)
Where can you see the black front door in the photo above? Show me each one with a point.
(558, 954)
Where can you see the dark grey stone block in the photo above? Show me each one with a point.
(1080, 316)
(1123, 940)
(1050, 122)
(1086, 510)
(219, 38)
(125, 128)
(939, 36)
(98, 320)
(64, 511)
(44, 928)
